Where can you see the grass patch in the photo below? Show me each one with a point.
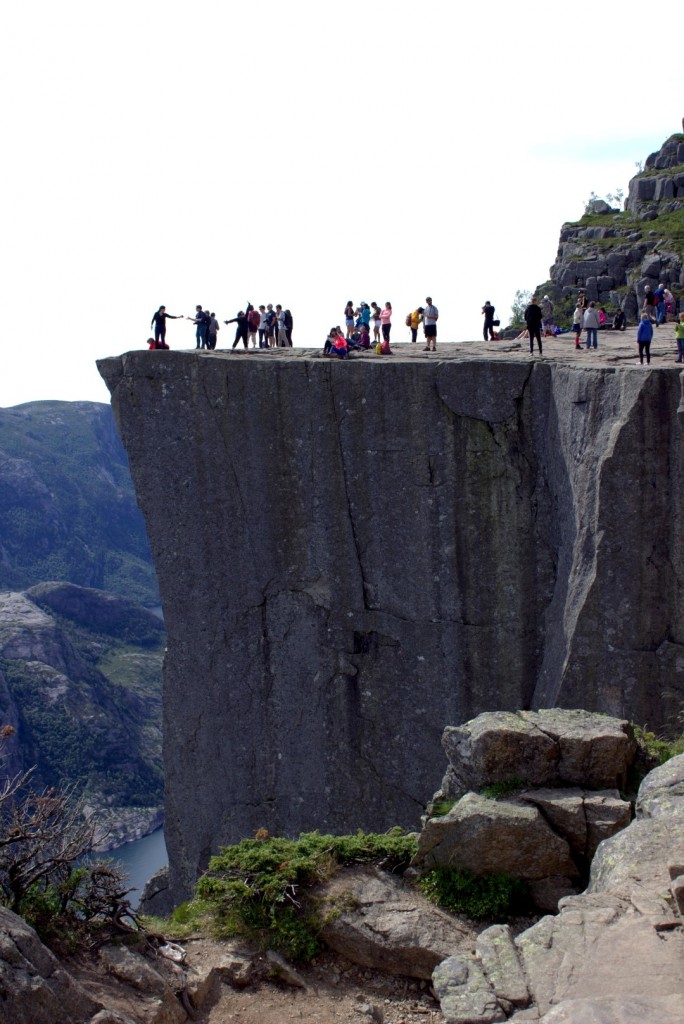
(498, 790)
(438, 808)
(188, 918)
(256, 888)
(477, 896)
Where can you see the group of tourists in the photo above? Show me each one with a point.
(272, 325)
(658, 308)
(659, 304)
(360, 320)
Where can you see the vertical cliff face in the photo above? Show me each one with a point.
(352, 555)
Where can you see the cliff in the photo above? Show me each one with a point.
(351, 554)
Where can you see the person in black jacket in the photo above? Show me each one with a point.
(488, 328)
(242, 321)
(159, 323)
(533, 319)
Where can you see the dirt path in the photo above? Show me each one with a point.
(337, 993)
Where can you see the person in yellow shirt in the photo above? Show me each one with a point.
(414, 320)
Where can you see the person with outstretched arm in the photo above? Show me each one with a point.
(242, 321)
(159, 323)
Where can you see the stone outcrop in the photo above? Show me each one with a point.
(543, 836)
(349, 555)
(613, 954)
(614, 258)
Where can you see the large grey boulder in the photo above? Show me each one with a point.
(551, 747)
(487, 836)
(374, 919)
(34, 987)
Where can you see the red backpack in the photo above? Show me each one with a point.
(254, 318)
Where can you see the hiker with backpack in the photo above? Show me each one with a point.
(413, 320)
(253, 321)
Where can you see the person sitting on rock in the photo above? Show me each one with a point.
(340, 345)
(619, 321)
(329, 341)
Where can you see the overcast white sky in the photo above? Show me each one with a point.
(302, 153)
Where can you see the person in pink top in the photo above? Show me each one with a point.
(385, 320)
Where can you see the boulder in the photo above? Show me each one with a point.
(488, 836)
(551, 747)
(374, 919)
(496, 747)
(34, 987)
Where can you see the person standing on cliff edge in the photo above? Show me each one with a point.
(430, 315)
(488, 326)
(533, 319)
(159, 323)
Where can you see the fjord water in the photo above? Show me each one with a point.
(140, 859)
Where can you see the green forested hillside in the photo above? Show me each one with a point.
(80, 682)
(67, 505)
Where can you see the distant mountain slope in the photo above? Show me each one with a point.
(80, 681)
(67, 505)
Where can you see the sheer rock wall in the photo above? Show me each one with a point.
(352, 554)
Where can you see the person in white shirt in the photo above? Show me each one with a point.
(430, 316)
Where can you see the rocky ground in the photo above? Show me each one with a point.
(613, 347)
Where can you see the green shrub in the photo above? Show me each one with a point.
(476, 896)
(658, 749)
(255, 887)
